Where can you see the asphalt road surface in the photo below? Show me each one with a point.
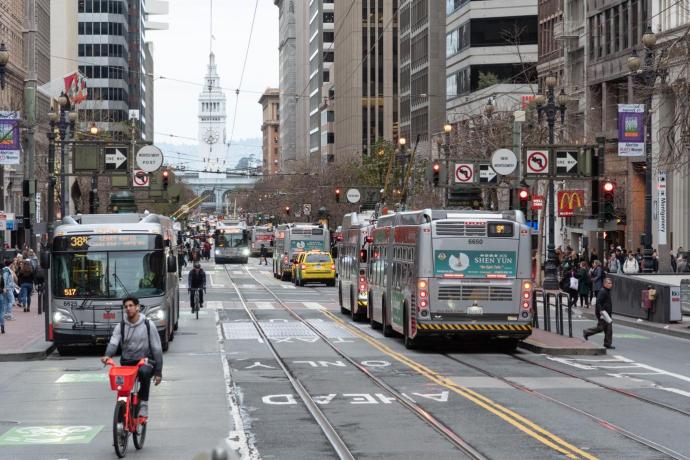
(230, 383)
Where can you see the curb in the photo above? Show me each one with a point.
(644, 326)
(27, 355)
(537, 347)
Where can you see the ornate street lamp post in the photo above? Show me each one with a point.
(647, 78)
(65, 125)
(4, 59)
(550, 106)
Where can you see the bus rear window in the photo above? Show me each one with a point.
(501, 229)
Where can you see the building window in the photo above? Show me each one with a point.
(328, 18)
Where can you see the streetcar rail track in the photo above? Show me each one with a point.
(604, 386)
(420, 412)
(605, 423)
(328, 430)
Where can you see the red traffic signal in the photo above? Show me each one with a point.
(166, 176)
(437, 167)
(287, 210)
(523, 194)
(337, 195)
(608, 186)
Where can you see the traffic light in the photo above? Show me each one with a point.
(287, 210)
(337, 195)
(166, 178)
(608, 191)
(436, 173)
(523, 196)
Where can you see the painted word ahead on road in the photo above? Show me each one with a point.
(475, 264)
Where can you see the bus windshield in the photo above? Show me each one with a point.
(230, 240)
(109, 275)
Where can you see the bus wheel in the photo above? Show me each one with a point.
(64, 351)
(370, 312)
(385, 326)
(409, 343)
(165, 341)
(340, 299)
(509, 345)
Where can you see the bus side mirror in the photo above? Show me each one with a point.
(172, 264)
(45, 260)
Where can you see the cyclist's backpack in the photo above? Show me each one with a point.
(122, 337)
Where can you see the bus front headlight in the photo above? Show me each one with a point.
(217, 251)
(156, 314)
(245, 251)
(62, 316)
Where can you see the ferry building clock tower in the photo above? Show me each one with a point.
(212, 125)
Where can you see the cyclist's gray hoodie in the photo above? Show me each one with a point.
(136, 344)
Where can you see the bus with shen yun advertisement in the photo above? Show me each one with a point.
(451, 273)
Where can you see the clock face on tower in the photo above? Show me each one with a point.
(211, 136)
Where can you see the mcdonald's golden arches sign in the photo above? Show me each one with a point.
(569, 201)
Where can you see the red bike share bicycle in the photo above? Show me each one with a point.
(123, 380)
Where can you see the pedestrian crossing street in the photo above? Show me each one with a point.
(257, 305)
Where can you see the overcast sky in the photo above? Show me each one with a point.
(181, 53)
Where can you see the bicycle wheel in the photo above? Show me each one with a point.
(139, 436)
(120, 434)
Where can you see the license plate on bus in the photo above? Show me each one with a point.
(475, 310)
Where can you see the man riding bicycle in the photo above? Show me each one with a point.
(138, 340)
(196, 280)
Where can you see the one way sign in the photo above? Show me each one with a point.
(487, 175)
(115, 158)
(566, 162)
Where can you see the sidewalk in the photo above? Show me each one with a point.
(24, 338)
(558, 345)
(681, 329)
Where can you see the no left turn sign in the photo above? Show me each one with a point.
(537, 162)
(464, 173)
(140, 179)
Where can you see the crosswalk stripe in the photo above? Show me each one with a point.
(314, 306)
(264, 305)
(287, 286)
(214, 304)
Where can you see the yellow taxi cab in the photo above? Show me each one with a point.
(314, 266)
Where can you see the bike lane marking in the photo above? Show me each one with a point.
(83, 377)
(54, 434)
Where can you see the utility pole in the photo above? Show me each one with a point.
(29, 36)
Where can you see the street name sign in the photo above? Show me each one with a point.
(115, 158)
(149, 158)
(464, 173)
(487, 175)
(504, 162)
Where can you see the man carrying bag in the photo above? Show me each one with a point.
(604, 312)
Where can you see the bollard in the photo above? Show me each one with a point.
(547, 318)
(535, 311)
(559, 313)
(570, 320)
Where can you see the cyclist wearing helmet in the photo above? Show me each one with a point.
(138, 340)
(196, 280)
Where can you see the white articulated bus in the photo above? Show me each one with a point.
(351, 264)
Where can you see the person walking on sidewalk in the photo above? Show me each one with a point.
(10, 281)
(604, 304)
(26, 284)
(631, 265)
(597, 277)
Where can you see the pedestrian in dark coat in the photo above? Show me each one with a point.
(604, 304)
(597, 277)
(583, 287)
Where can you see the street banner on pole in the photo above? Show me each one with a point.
(9, 138)
(661, 224)
(630, 130)
(569, 201)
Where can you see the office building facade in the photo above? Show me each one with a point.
(270, 130)
(365, 86)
